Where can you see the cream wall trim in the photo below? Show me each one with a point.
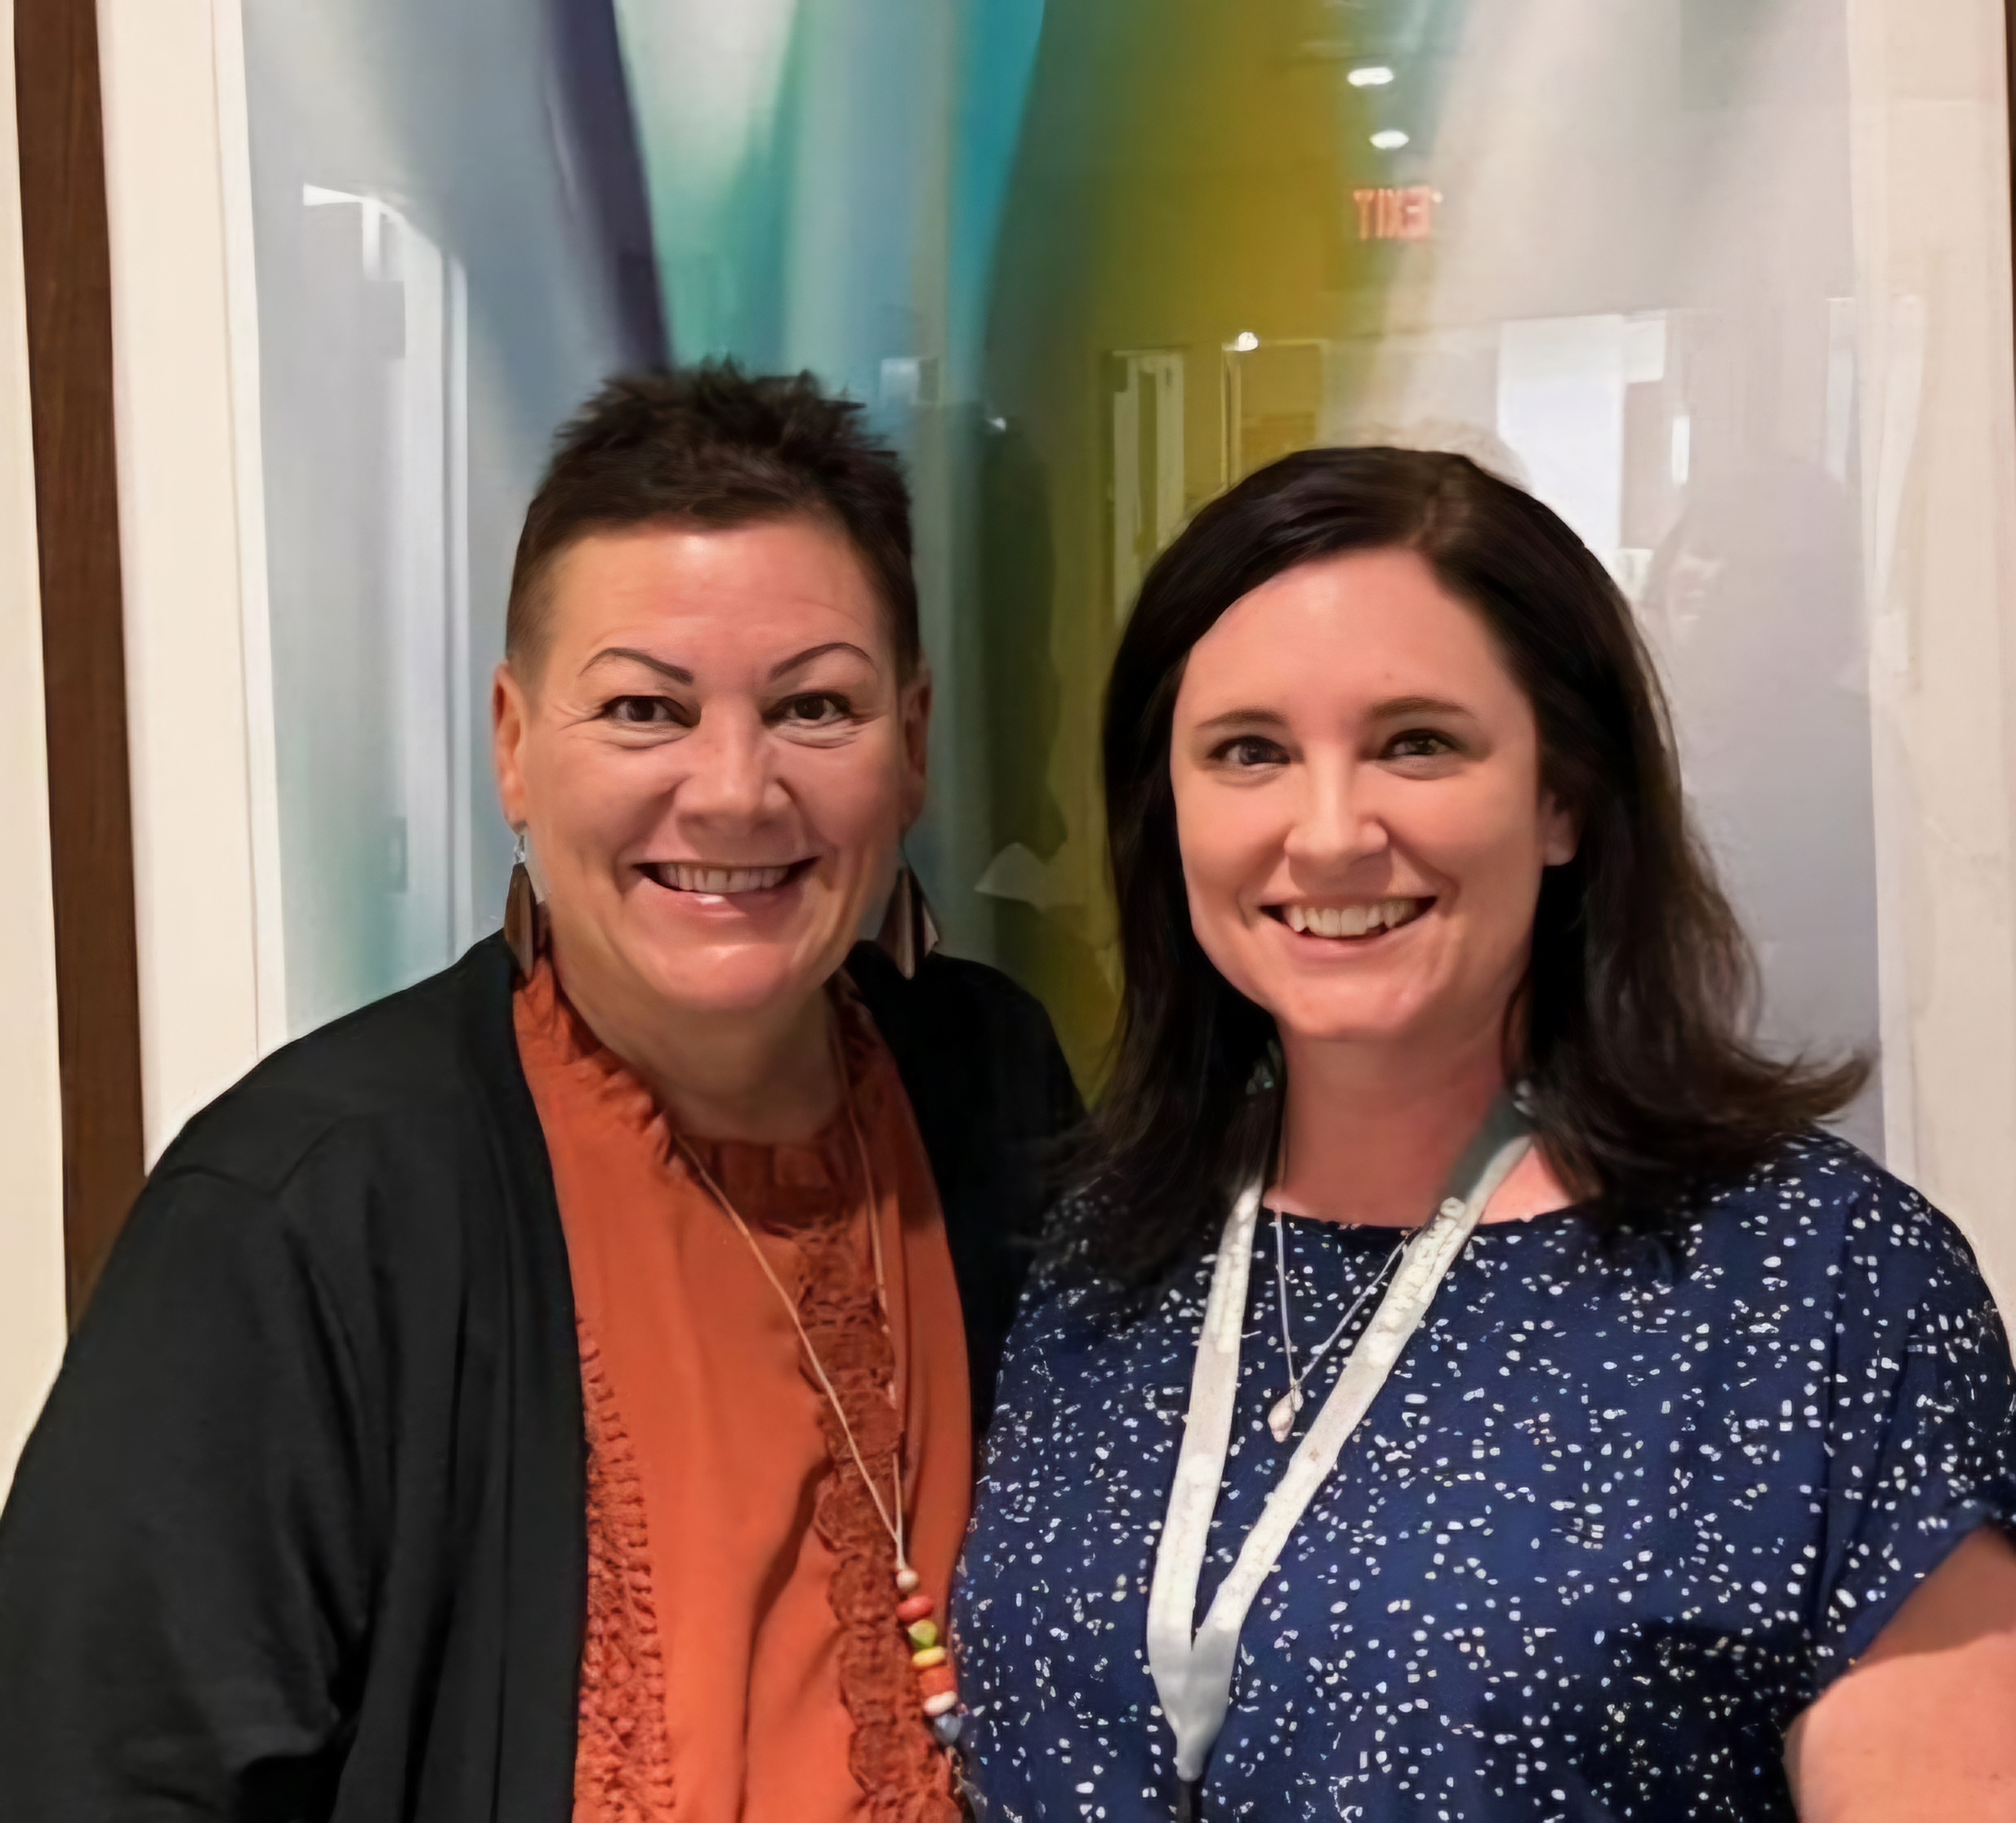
(31, 1118)
(1938, 430)
(198, 690)
(248, 479)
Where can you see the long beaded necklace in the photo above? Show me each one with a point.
(914, 1610)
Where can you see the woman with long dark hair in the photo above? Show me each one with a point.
(1467, 1382)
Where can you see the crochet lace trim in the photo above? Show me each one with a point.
(892, 1756)
(623, 1750)
(622, 1757)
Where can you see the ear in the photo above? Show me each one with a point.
(510, 721)
(914, 712)
(1560, 831)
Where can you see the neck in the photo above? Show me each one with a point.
(768, 1075)
(1372, 1133)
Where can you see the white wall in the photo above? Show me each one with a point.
(197, 681)
(1938, 429)
(31, 1134)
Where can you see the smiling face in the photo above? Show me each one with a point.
(714, 758)
(1359, 805)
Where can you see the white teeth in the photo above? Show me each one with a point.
(1353, 921)
(686, 879)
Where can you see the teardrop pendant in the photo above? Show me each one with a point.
(909, 932)
(521, 913)
(1281, 1420)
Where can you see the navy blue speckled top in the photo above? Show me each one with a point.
(1618, 1516)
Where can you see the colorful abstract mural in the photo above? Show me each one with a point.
(1087, 261)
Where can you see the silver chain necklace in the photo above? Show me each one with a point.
(1281, 1416)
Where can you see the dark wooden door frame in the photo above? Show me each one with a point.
(67, 260)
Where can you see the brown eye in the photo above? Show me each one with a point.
(641, 712)
(819, 709)
(1248, 750)
(1419, 743)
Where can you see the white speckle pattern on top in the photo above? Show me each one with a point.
(1618, 1516)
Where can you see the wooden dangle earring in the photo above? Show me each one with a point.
(521, 913)
(909, 932)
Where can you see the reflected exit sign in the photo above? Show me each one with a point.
(1388, 213)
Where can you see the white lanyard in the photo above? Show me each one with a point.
(1193, 1677)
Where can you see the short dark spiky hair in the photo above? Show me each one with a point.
(710, 446)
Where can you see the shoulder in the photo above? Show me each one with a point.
(968, 1042)
(1069, 1295)
(405, 1074)
(947, 992)
(1819, 1212)
(375, 1168)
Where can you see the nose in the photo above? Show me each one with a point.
(1337, 823)
(728, 778)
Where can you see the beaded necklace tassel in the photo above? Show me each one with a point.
(936, 1681)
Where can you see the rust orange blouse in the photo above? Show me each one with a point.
(743, 1663)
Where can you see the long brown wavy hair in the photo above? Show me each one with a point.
(1632, 1031)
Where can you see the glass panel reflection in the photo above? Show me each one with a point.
(1088, 261)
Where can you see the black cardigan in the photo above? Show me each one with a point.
(300, 1534)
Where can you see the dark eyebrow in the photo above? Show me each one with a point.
(678, 673)
(810, 653)
(1392, 709)
(1244, 718)
(1419, 705)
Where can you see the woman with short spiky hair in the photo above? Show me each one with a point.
(551, 1391)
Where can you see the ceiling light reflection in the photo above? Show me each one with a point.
(1370, 76)
(1390, 140)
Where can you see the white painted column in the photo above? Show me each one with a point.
(1939, 464)
(199, 683)
(31, 1126)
